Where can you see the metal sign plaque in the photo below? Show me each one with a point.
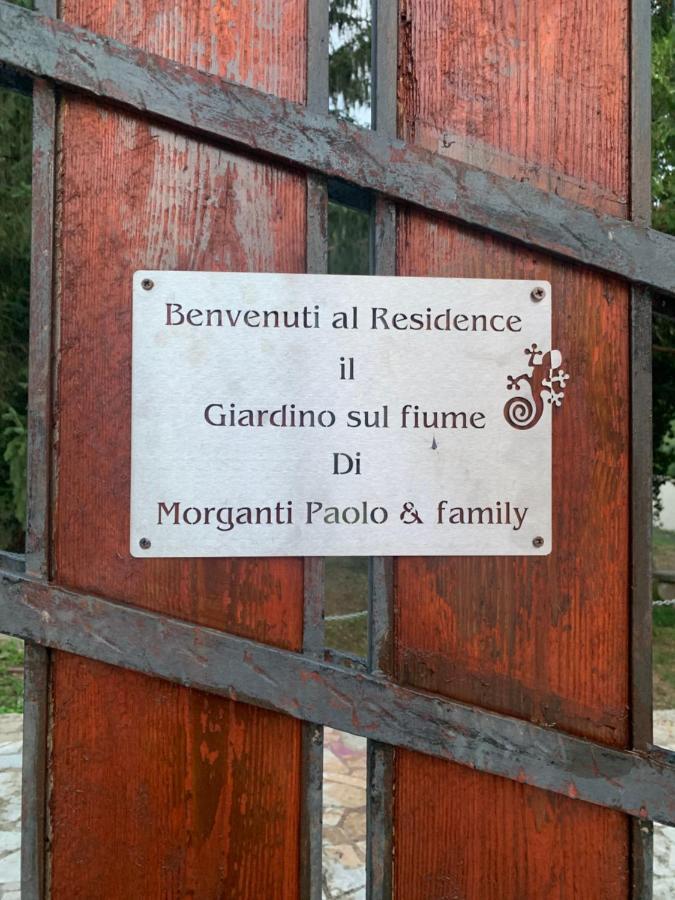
(301, 415)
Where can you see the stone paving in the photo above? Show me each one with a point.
(344, 831)
(10, 806)
(344, 816)
(664, 838)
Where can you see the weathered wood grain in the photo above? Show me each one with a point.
(441, 181)
(545, 88)
(158, 791)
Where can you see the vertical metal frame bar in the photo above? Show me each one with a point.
(34, 773)
(40, 381)
(311, 809)
(311, 818)
(380, 763)
(317, 101)
(40, 344)
(641, 582)
(384, 105)
(380, 772)
(641, 436)
(36, 661)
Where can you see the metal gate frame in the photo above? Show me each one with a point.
(38, 53)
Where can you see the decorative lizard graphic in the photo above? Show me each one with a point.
(545, 381)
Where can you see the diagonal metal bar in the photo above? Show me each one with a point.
(44, 47)
(637, 783)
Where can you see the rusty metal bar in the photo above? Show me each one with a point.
(311, 810)
(641, 113)
(40, 349)
(380, 763)
(317, 102)
(641, 582)
(37, 560)
(641, 438)
(380, 799)
(34, 771)
(311, 690)
(44, 47)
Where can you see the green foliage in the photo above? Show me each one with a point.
(11, 683)
(663, 545)
(349, 64)
(663, 404)
(348, 240)
(663, 116)
(15, 186)
(15, 438)
(663, 191)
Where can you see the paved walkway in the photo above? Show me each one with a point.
(344, 831)
(664, 838)
(344, 816)
(10, 806)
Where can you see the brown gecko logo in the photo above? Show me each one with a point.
(545, 381)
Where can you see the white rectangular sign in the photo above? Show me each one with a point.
(301, 415)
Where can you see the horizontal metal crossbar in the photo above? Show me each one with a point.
(356, 702)
(43, 47)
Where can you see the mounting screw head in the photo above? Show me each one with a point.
(144, 544)
(147, 284)
(538, 542)
(537, 294)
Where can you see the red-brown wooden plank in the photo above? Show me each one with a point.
(157, 791)
(536, 91)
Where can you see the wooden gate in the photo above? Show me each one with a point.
(174, 709)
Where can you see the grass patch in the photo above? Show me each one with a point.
(11, 676)
(348, 635)
(663, 546)
(347, 592)
(664, 665)
(663, 543)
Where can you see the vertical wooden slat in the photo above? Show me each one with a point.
(537, 93)
(157, 790)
